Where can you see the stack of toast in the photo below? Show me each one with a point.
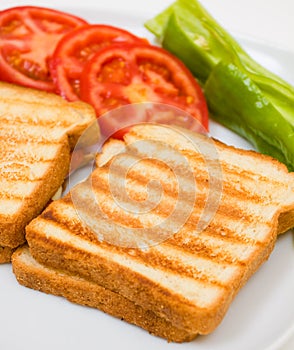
(37, 136)
(121, 242)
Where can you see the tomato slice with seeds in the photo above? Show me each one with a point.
(28, 37)
(79, 46)
(124, 74)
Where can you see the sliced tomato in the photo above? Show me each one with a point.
(124, 74)
(76, 48)
(28, 37)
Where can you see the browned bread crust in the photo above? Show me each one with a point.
(31, 274)
(5, 254)
(286, 221)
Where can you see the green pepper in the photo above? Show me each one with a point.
(234, 98)
(191, 33)
(188, 31)
(187, 27)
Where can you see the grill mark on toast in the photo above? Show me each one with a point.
(211, 230)
(154, 256)
(10, 144)
(192, 292)
(196, 246)
(188, 233)
(228, 235)
(129, 221)
(25, 160)
(15, 177)
(24, 170)
(156, 170)
(121, 216)
(209, 250)
(174, 264)
(230, 210)
(41, 118)
(28, 161)
(20, 131)
(37, 140)
(232, 184)
(230, 168)
(100, 186)
(12, 141)
(73, 224)
(50, 124)
(83, 202)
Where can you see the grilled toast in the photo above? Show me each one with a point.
(185, 267)
(81, 291)
(37, 134)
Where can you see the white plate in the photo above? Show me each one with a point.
(260, 318)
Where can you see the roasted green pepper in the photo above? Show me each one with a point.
(187, 30)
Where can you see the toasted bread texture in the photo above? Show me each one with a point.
(286, 221)
(182, 257)
(37, 134)
(31, 274)
(5, 254)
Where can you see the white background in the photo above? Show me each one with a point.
(268, 20)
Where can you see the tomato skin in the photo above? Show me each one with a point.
(28, 36)
(147, 74)
(76, 48)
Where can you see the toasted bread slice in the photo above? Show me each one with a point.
(37, 134)
(186, 269)
(31, 274)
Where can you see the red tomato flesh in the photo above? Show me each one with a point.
(124, 74)
(79, 46)
(28, 37)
